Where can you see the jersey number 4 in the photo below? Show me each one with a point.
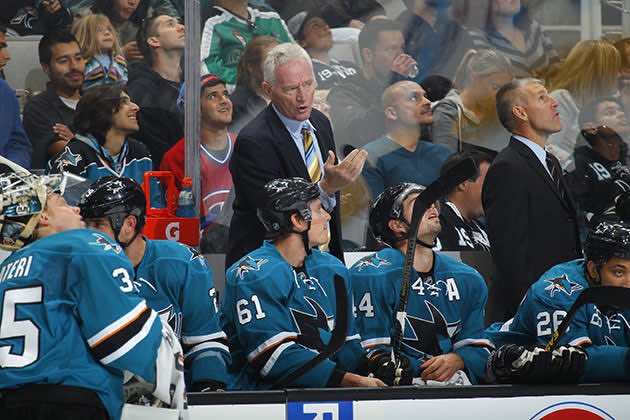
(13, 328)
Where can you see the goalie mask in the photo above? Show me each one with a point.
(115, 198)
(23, 197)
(282, 198)
(389, 206)
(608, 239)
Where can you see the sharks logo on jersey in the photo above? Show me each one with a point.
(106, 244)
(372, 260)
(174, 320)
(194, 254)
(313, 328)
(562, 284)
(427, 333)
(249, 264)
(67, 158)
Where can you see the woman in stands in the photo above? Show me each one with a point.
(511, 31)
(466, 118)
(589, 71)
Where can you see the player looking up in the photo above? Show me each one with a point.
(71, 322)
(278, 307)
(444, 323)
(602, 332)
(174, 278)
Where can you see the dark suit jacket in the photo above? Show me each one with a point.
(530, 226)
(264, 150)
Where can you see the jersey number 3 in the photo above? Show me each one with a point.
(13, 328)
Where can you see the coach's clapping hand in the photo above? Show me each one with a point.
(344, 173)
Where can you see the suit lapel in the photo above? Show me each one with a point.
(531, 159)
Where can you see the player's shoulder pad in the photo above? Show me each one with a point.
(464, 275)
(561, 284)
(258, 265)
(175, 251)
(81, 241)
(385, 260)
(319, 259)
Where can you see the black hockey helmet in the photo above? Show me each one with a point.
(388, 206)
(281, 198)
(609, 238)
(115, 198)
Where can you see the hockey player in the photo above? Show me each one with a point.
(174, 278)
(603, 332)
(278, 306)
(70, 320)
(444, 325)
(461, 209)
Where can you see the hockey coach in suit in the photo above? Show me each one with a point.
(531, 217)
(286, 139)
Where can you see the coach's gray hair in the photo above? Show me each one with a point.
(510, 95)
(283, 53)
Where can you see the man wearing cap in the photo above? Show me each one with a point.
(286, 139)
(216, 146)
(311, 30)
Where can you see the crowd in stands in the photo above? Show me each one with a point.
(549, 136)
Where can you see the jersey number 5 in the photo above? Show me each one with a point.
(13, 328)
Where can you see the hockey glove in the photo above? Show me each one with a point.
(381, 365)
(516, 364)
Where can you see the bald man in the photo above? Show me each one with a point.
(400, 155)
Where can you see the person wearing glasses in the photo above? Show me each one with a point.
(601, 172)
(105, 119)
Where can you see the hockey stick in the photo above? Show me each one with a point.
(600, 296)
(336, 341)
(459, 173)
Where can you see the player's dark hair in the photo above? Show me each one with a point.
(368, 37)
(588, 112)
(455, 159)
(96, 109)
(148, 28)
(51, 39)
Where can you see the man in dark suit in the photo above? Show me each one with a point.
(531, 218)
(288, 138)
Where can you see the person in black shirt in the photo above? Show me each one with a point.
(461, 209)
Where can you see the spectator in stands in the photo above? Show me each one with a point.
(623, 46)
(216, 146)
(600, 172)
(104, 62)
(355, 103)
(400, 155)
(313, 33)
(105, 119)
(248, 98)
(154, 83)
(228, 30)
(5, 55)
(288, 138)
(48, 117)
(35, 17)
(127, 17)
(466, 118)
(512, 32)
(461, 209)
(434, 40)
(589, 71)
(14, 144)
(352, 13)
(531, 216)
